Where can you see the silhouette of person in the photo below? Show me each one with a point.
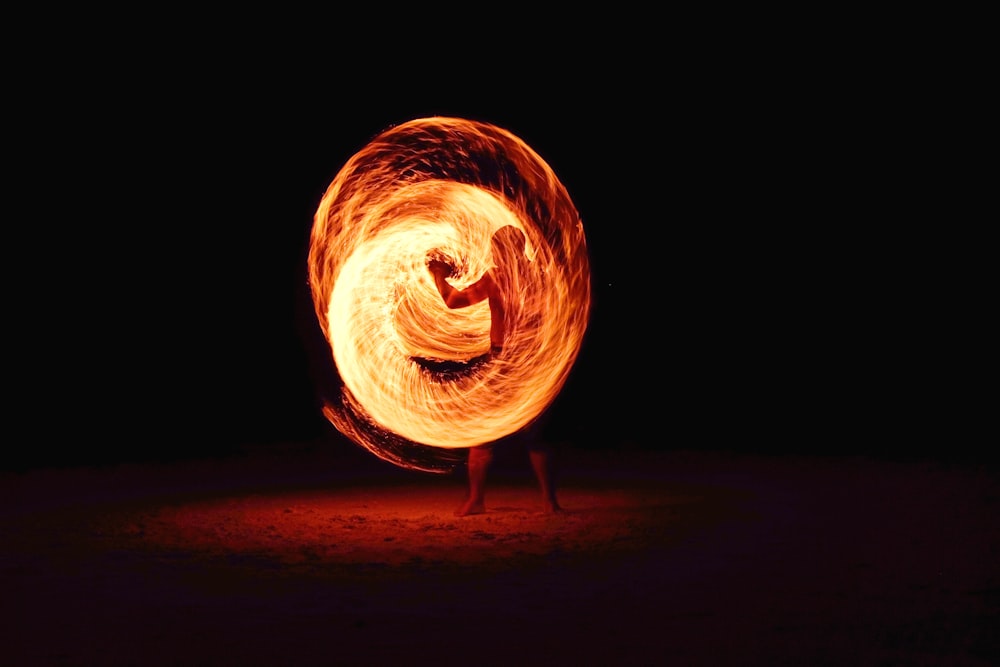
(498, 286)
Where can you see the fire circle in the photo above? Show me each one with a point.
(434, 207)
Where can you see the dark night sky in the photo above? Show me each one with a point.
(744, 297)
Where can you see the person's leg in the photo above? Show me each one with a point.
(478, 465)
(540, 454)
(541, 463)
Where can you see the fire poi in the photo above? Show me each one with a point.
(419, 382)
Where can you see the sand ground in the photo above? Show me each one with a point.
(303, 556)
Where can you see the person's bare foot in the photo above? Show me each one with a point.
(471, 507)
(551, 507)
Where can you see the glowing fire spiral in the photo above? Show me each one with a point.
(419, 380)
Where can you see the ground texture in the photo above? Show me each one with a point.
(303, 556)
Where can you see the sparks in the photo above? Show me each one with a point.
(422, 381)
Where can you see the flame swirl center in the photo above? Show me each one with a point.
(419, 378)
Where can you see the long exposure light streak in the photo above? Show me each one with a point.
(420, 381)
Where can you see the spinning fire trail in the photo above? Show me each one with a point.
(419, 382)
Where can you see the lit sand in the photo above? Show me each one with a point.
(686, 558)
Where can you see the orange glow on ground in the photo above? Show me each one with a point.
(443, 187)
(707, 559)
(408, 523)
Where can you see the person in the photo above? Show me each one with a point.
(508, 247)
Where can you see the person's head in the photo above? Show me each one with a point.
(508, 241)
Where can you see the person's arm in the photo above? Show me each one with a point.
(454, 297)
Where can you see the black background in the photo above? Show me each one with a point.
(780, 267)
(751, 289)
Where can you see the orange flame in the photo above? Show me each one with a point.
(416, 383)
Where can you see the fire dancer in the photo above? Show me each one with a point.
(510, 267)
